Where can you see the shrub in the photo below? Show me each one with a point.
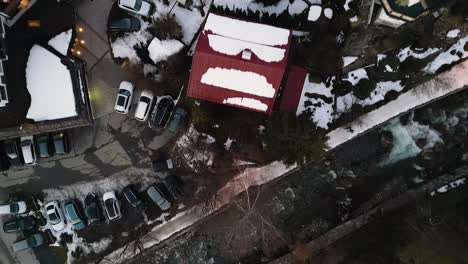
(364, 88)
(166, 27)
(294, 139)
(460, 8)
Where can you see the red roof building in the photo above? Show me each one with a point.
(239, 63)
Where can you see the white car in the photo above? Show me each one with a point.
(28, 150)
(144, 105)
(13, 208)
(55, 215)
(112, 206)
(124, 97)
(140, 7)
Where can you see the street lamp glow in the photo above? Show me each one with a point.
(80, 29)
(78, 52)
(82, 42)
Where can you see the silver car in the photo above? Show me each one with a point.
(140, 7)
(158, 197)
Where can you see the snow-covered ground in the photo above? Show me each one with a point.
(195, 156)
(160, 50)
(50, 85)
(455, 53)
(448, 82)
(294, 8)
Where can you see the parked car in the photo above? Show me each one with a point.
(28, 150)
(92, 211)
(130, 194)
(127, 24)
(18, 224)
(177, 120)
(43, 145)
(163, 165)
(32, 241)
(112, 206)
(140, 7)
(13, 208)
(60, 140)
(74, 215)
(161, 113)
(158, 197)
(144, 105)
(174, 185)
(124, 97)
(11, 150)
(55, 216)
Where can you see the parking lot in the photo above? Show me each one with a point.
(117, 146)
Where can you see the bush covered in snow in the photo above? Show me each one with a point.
(268, 2)
(294, 139)
(166, 27)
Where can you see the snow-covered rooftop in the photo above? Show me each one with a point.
(234, 47)
(247, 102)
(240, 81)
(50, 86)
(247, 31)
(61, 42)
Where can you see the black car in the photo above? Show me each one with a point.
(177, 120)
(161, 113)
(174, 186)
(12, 152)
(60, 140)
(18, 224)
(130, 195)
(163, 165)
(43, 146)
(127, 24)
(92, 212)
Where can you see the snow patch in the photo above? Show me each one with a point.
(328, 12)
(409, 53)
(162, 49)
(314, 12)
(234, 47)
(228, 143)
(240, 81)
(293, 7)
(247, 31)
(454, 54)
(50, 85)
(355, 76)
(246, 102)
(453, 33)
(349, 60)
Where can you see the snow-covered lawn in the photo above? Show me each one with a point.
(50, 85)
(161, 49)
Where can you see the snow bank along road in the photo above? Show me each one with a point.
(446, 83)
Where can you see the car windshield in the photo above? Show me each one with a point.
(54, 217)
(110, 205)
(14, 208)
(121, 100)
(138, 4)
(26, 143)
(145, 99)
(59, 147)
(11, 150)
(124, 92)
(71, 211)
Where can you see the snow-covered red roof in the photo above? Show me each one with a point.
(239, 63)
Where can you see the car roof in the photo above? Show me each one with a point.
(27, 154)
(141, 109)
(126, 86)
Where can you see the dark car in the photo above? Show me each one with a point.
(30, 242)
(74, 215)
(18, 224)
(177, 120)
(60, 141)
(92, 212)
(127, 24)
(130, 195)
(163, 165)
(43, 146)
(174, 186)
(12, 152)
(161, 113)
